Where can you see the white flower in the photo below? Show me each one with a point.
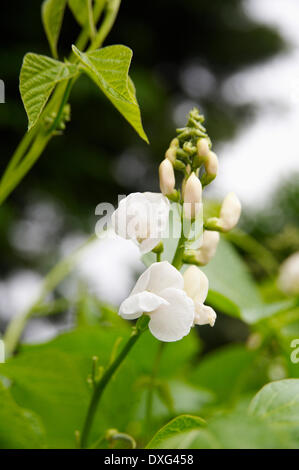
(288, 280)
(230, 212)
(159, 293)
(143, 218)
(196, 285)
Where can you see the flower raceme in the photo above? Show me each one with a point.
(174, 303)
(142, 218)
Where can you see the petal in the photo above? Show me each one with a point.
(157, 198)
(131, 216)
(147, 245)
(204, 315)
(172, 322)
(164, 275)
(157, 277)
(135, 305)
(159, 213)
(196, 284)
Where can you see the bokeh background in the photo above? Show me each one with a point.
(236, 60)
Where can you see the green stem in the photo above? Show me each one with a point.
(17, 175)
(112, 8)
(101, 385)
(19, 153)
(92, 29)
(177, 261)
(64, 101)
(54, 277)
(14, 332)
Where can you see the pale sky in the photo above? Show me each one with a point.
(267, 150)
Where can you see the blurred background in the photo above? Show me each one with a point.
(238, 61)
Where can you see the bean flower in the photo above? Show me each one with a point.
(174, 302)
(142, 218)
(159, 293)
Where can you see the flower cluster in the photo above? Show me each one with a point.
(175, 302)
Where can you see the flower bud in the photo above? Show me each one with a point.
(288, 280)
(211, 167)
(171, 154)
(178, 165)
(171, 151)
(206, 252)
(174, 143)
(167, 178)
(192, 197)
(203, 148)
(230, 212)
(196, 284)
(208, 248)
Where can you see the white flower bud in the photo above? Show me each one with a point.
(167, 178)
(230, 212)
(208, 248)
(196, 284)
(192, 197)
(211, 167)
(203, 147)
(288, 280)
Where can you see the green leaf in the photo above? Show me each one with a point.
(51, 380)
(39, 75)
(80, 10)
(263, 311)
(52, 16)
(231, 430)
(177, 434)
(235, 372)
(237, 430)
(109, 68)
(230, 277)
(278, 404)
(19, 428)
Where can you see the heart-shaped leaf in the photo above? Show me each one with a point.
(109, 69)
(39, 75)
